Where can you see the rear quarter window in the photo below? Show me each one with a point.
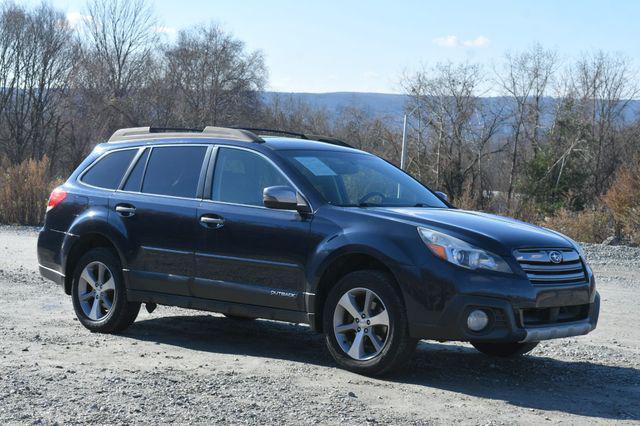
(107, 172)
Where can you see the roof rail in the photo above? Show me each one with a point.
(276, 131)
(134, 133)
(329, 139)
(319, 138)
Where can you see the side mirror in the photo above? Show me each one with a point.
(283, 198)
(442, 196)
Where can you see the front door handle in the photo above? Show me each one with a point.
(125, 210)
(213, 221)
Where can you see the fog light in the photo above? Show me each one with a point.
(477, 320)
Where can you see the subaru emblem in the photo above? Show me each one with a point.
(555, 256)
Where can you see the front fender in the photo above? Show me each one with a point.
(331, 249)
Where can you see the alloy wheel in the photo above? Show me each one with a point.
(361, 324)
(96, 290)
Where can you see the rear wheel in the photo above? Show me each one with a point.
(366, 324)
(504, 350)
(99, 294)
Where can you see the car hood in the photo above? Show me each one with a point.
(493, 232)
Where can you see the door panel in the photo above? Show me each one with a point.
(247, 253)
(160, 235)
(256, 256)
(158, 215)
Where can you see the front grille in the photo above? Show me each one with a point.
(541, 270)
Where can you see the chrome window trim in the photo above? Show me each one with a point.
(157, 195)
(206, 145)
(269, 160)
(246, 205)
(216, 146)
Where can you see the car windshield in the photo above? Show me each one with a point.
(351, 179)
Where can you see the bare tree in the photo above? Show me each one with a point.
(214, 78)
(119, 40)
(604, 85)
(36, 58)
(460, 127)
(525, 79)
(12, 20)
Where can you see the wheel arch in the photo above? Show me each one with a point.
(79, 247)
(341, 265)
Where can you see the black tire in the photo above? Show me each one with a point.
(239, 317)
(504, 350)
(398, 347)
(122, 313)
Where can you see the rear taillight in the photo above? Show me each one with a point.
(57, 196)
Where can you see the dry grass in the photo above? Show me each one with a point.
(590, 226)
(623, 200)
(24, 190)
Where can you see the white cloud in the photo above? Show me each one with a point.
(75, 18)
(165, 30)
(451, 41)
(480, 41)
(447, 41)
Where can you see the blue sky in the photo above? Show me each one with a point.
(364, 46)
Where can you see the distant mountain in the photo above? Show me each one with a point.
(391, 105)
(377, 104)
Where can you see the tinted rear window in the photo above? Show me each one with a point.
(108, 171)
(174, 171)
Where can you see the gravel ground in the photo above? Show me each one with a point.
(185, 366)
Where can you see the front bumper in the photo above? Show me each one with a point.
(507, 323)
(549, 332)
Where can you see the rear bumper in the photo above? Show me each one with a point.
(52, 275)
(505, 325)
(50, 244)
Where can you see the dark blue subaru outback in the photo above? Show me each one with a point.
(306, 230)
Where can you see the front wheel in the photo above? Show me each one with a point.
(366, 324)
(99, 294)
(504, 350)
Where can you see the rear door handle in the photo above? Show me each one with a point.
(125, 210)
(212, 221)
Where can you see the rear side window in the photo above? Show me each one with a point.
(108, 171)
(134, 181)
(174, 171)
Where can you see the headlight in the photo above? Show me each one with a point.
(461, 253)
(578, 249)
(576, 246)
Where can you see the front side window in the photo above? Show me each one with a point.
(240, 177)
(174, 171)
(108, 171)
(352, 179)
